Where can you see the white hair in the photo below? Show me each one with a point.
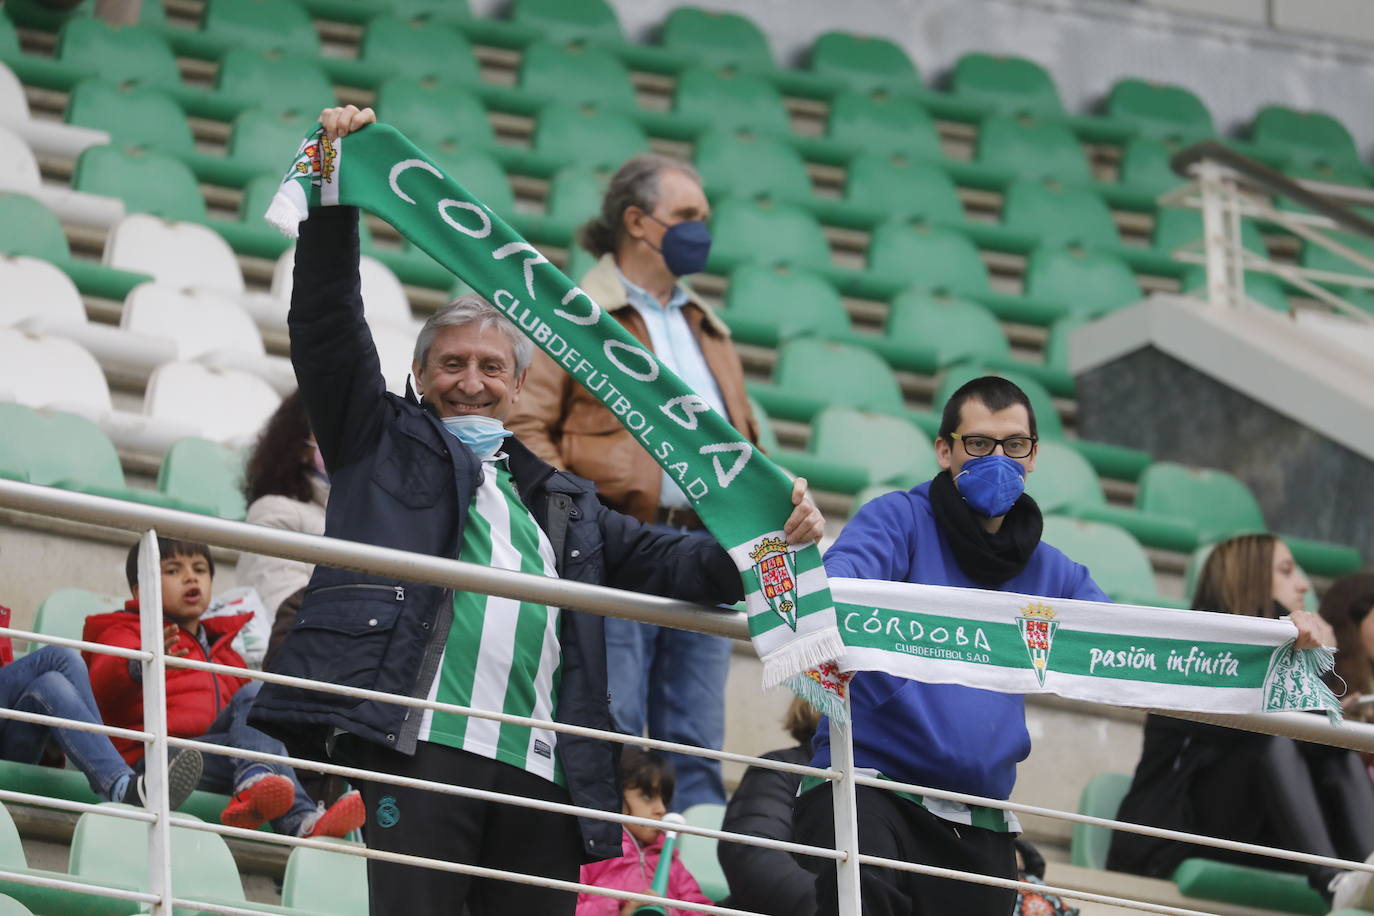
(470, 309)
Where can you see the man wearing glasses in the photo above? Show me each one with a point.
(971, 526)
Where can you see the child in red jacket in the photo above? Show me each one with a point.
(205, 706)
(647, 783)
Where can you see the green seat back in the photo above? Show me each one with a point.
(258, 137)
(588, 136)
(1145, 166)
(420, 49)
(1117, 562)
(1088, 283)
(743, 164)
(1307, 137)
(1196, 560)
(1266, 289)
(575, 194)
(883, 124)
(906, 457)
(429, 9)
(1249, 887)
(863, 61)
(325, 882)
(929, 257)
(1160, 111)
(435, 113)
(565, 20)
(717, 39)
(730, 100)
(769, 232)
(204, 473)
(11, 907)
(1063, 478)
(131, 116)
(855, 377)
(132, 54)
(28, 227)
(75, 453)
(1217, 503)
(267, 25)
(576, 75)
(797, 302)
(956, 328)
(1347, 173)
(1057, 345)
(481, 174)
(115, 849)
(1048, 424)
(1059, 215)
(23, 428)
(11, 846)
(1032, 149)
(286, 84)
(147, 181)
(1319, 257)
(901, 187)
(257, 197)
(768, 436)
(1101, 797)
(699, 853)
(1179, 226)
(1012, 85)
(64, 612)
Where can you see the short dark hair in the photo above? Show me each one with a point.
(993, 392)
(648, 772)
(166, 549)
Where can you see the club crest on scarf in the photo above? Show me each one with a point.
(316, 158)
(1037, 625)
(776, 569)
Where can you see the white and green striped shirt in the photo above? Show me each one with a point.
(501, 654)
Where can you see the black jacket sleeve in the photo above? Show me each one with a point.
(336, 363)
(766, 880)
(689, 566)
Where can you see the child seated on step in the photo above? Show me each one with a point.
(206, 706)
(646, 780)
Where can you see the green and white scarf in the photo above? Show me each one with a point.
(993, 640)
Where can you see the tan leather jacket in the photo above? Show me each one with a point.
(572, 430)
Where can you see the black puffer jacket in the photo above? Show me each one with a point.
(767, 880)
(399, 480)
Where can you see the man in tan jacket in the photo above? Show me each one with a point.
(650, 233)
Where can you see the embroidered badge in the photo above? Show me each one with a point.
(388, 812)
(1037, 625)
(774, 565)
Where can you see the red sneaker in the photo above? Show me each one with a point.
(343, 817)
(261, 799)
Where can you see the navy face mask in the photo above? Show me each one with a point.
(991, 485)
(685, 247)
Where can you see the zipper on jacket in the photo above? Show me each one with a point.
(214, 678)
(399, 590)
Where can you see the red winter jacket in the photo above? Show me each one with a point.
(194, 698)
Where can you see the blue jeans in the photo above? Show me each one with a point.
(226, 774)
(53, 681)
(672, 681)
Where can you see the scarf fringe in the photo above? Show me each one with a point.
(285, 215)
(799, 654)
(827, 702)
(1323, 660)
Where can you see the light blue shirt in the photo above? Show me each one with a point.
(671, 339)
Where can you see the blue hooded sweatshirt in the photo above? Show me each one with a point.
(959, 739)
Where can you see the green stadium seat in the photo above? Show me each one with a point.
(906, 458)
(862, 61)
(868, 494)
(1119, 565)
(265, 25)
(1032, 149)
(1169, 114)
(435, 112)
(588, 136)
(135, 54)
(576, 75)
(930, 257)
(567, 20)
(1307, 138)
(1248, 886)
(765, 304)
(766, 232)
(698, 853)
(744, 164)
(1101, 797)
(482, 175)
(717, 39)
(420, 49)
(147, 181)
(957, 329)
(49, 901)
(11, 907)
(258, 136)
(1319, 257)
(1217, 504)
(1085, 283)
(856, 378)
(132, 116)
(731, 101)
(574, 195)
(204, 473)
(29, 228)
(1176, 227)
(1266, 289)
(1057, 345)
(1145, 167)
(903, 188)
(266, 79)
(63, 612)
(1059, 215)
(884, 124)
(1012, 85)
(320, 879)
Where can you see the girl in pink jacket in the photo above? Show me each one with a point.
(647, 782)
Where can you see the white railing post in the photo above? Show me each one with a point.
(155, 722)
(846, 813)
(1216, 244)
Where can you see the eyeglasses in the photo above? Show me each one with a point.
(1012, 447)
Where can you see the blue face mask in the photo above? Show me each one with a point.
(483, 435)
(991, 484)
(685, 247)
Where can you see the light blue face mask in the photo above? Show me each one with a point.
(483, 435)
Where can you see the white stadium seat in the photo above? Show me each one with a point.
(395, 348)
(384, 298)
(224, 405)
(183, 255)
(43, 136)
(40, 371)
(36, 288)
(197, 321)
(19, 172)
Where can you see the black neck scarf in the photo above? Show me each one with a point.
(988, 559)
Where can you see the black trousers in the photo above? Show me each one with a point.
(466, 830)
(895, 828)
